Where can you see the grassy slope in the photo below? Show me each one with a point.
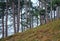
(47, 32)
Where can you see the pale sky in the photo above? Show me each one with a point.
(35, 2)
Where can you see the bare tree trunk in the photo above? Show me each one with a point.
(13, 16)
(32, 21)
(40, 15)
(58, 13)
(18, 17)
(3, 23)
(25, 1)
(54, 14)
(46, 14)
(2, 26)
(37, 20)
(6, 18)
(22, 29)
(29, 14)
(51, 10)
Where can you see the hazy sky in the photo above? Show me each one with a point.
(35, 2)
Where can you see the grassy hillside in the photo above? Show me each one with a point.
(47, 32)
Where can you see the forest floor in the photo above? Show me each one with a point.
(46, 32)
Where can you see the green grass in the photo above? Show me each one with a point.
(47, 32)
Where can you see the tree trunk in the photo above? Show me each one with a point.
(18, 17)
(2, 26)
(51, 10)
(26, 12)
(54, 14)
(46, 14)
(13, 16)
(40, 15)
(3, 22)
(37, 20)
(6, 18)
(29, 14)
(32, 21)
(22, 29)
(58, 12)
(40, 20)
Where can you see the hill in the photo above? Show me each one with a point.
(47, 32)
